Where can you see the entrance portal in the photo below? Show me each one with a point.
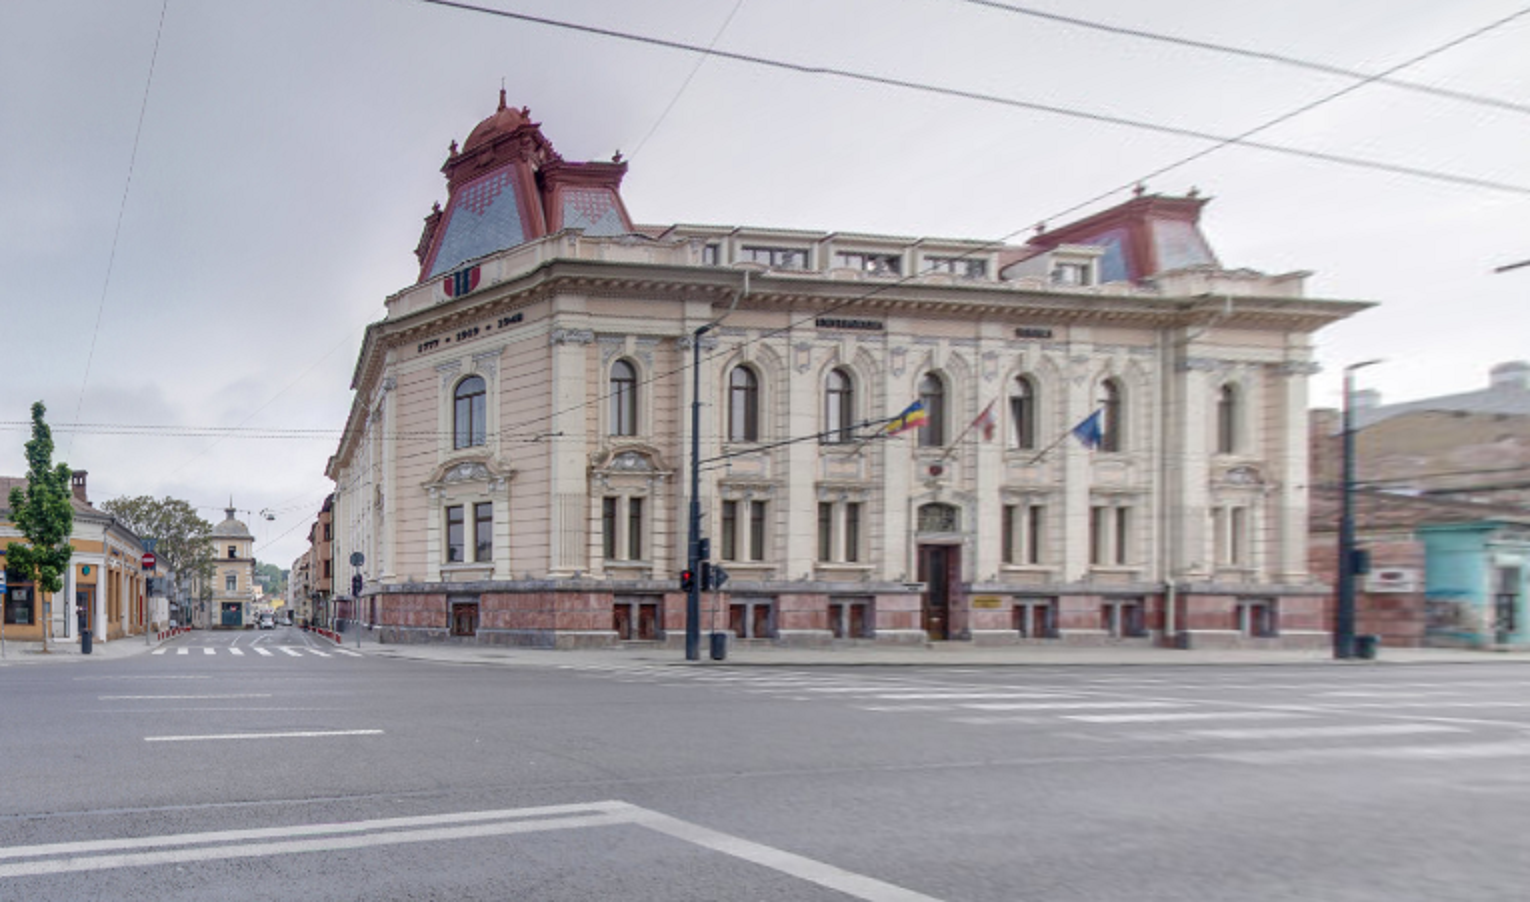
(940, 568)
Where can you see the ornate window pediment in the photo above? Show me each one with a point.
(464, 472)
(939, 518)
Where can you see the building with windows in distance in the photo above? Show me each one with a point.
(513, 467)
(233, 580)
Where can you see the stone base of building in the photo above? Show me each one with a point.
(1295, 640)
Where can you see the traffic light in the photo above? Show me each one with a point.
(687, 580)
(706, 576)
(356, 585)
(713, 576)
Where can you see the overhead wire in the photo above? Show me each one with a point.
(701, 61)
(1015, 103)
(111, 257)
(1265, 55)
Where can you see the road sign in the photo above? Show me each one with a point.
(148, 560)
(357, 559)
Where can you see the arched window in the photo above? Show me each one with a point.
(838, 406)
(470, 413)
(1112, 424)
(932, 393)
(743, 405)
(1227, 420)
(1022, 413)
(624, 404)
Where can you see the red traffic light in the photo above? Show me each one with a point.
(687, 580)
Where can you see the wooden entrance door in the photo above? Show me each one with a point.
(938, 569)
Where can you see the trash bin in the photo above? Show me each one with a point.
(84, 642)
(719, 645)
(1365, 647)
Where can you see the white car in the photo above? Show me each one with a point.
(267, 622)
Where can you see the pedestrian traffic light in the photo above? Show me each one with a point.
(356, 585)
(706, 576)
(687, 580)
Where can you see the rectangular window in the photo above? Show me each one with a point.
(776, 257)
(729, 537)
(852, 618)
(1123, 536)
(965, 267)
(634, 529)
(1259, 618)
(483, 532)
(1007, 534)
(825, 531)
(1097, 534)
(608, 528)
(231, 583)
(231, 552)
(327, 568)
(852, 531)
(757, 530)
(1237, 536)
(328, 528)
(875, 264)
(1072, 274)
(1036, 517)
(711, 255)
(454, 535)
(18, 606)
(1035, 618)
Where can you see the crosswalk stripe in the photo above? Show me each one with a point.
(291, 652)
(1181, 715)
(354, 654)
(209, 650)
(315, 651)
(183, 651)
(159, 651)
(237, 651)
(264, 652)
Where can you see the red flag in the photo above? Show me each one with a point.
(986, 422)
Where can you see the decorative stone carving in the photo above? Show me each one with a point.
(1299, 368)
(802, 356)
(466, 472)
(1243, 476)
(486, 363)
(990, 365)
(448, 372)
(630, 461)
(570, 337)
(939, 518)
(1202, 365)
(898, 359)
(389, 383)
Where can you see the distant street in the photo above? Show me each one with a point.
(271, 764)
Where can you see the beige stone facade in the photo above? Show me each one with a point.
(515, 464)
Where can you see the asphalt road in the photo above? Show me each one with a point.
(292, 770)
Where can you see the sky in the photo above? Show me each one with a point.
(188, 258)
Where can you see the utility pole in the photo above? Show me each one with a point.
(1344, 614)
(693, 543)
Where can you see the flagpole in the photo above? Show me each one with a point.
(957, 443)
(1062, 438)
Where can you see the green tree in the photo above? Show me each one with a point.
(43, 513)
(184, 545)
(273, 578)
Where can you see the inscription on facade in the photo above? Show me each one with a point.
(470, 333)
(864, 325)
(1032, 332)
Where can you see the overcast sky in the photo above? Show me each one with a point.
(290, 148)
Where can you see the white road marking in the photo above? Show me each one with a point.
(237, 651)
(354, 654)
(1340, 732)
(1450, 752)
(1181, 715)
(960, 696)
(1055, 706)
(295, 734)
(315, 651)
(96, 855)
(105, 698)
(209, 650)
(159, 651)
(291, 651)
(263, 652)
(183, 651)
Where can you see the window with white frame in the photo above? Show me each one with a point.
(1035, 618)
(743, 405)
(877, 264)
(470, 413)
(1112, 412)
(1123, 618)
(1071, 273)
(838, 407)
(964, 267)
(1230, 528)
(623, 527)
(230, 583)
(852, 617)
(840, 529)
(932, 394)
(1022, 413)
(456, 534)
(1227, 419)
(742, 530)
(623, 398)
(1258, 618)
(1022, 533)
(1110, 535)
(775, 257)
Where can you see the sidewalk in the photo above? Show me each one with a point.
(60, 650)
(954, 654)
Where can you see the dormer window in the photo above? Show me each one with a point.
(962, 267)
(1073, 274)
(711, 254)
(874, 264)
(775, 257)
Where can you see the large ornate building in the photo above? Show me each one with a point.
(514, 467)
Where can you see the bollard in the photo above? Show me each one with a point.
(719, 645)
(85, 642)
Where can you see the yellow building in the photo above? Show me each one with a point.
(233, 583)
(104, 589)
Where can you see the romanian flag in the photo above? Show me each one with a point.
(912, 417)
(1091, 432)
(986, 423)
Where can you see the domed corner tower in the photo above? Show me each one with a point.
(233, 577)
(507, 186)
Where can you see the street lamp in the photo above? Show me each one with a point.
(1344, 615)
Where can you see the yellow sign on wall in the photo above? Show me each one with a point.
(987, 601)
